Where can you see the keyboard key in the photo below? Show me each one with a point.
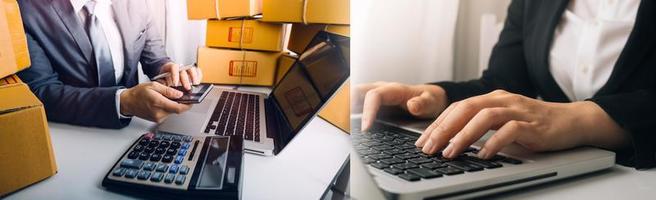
(162, 167)
(368, 160)
(409, 177)
(449, 170)
(149, 166)
(160, 150)
(143, 175)
(404, 166)
(379, 156)
(155, 157)
(368, 152)
(149, 149)
(406, 156)
(153, 143)
(174, 169)
(175, 145)
(179, 159)
(424, 173)
(119, 172)
(184, 170)
(131, 173)
(132, 164)
(144, 156)
(144, 142)
(420, 160)
(433, 165)
(393, 171)
(171, 151)
(133, 155)
(167, 158)
(164, 144)
(379, 165)
(157, 176)
(391, 161)
(180, 179)
(169, 178)
(393, 151)
(382, 147)
(138, 148)
(511, 161)
(484, 163)
(470, 167)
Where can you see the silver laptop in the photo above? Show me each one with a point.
(402, 171)
(269, 123)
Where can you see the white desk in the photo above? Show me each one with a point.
(303, 170)
(618, 182)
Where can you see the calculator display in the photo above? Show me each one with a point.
(214, 164)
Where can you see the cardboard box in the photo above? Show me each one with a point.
(256, 35)
(237, 67)
(215, 9)
(285, 62)
(25, 147)
(338, 109)
(316, 11)
(301, 34)
(14, 55)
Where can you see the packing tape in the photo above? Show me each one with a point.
(304, 15)
(216, 8)
(243, 55)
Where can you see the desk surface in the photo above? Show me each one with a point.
(618, 182)
(303, 170)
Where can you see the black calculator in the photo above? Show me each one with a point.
(169, 165)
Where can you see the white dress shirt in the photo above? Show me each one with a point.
(105, 14)
(587, 43)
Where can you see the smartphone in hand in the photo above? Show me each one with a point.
(195, 95)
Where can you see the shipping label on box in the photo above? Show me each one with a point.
(306, 11)
(237, 67)
(301, 34)
(222, 9)
(338, 109)
(25, 144)
(245, 34)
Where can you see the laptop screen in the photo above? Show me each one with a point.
(313, 79)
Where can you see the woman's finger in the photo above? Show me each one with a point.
(422, 139)
(507, 134)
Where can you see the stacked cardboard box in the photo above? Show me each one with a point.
(25, 148)
(240, 49)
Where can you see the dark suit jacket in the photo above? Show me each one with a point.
(62, 74)
(519, 64)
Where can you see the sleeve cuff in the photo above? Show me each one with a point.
(118, 104)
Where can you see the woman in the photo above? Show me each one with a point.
(563, 74)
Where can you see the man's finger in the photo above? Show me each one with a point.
(507, 134)
(166, 91)
(184, 79)
(172, 106)
(193, 75)
(370, 108)
(175, 74)
(484, 121)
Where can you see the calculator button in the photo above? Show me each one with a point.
(132, 164)
(149, 149)
(160, 150)
(175, 145)
(170, 151)
(153, 143)
(169, 178)
(180, 179)
(131, 173)
(166, 137)
(156, 177)
(143, 175)
(176, 138)
(184, 169)
(162, 167)
(133, 155)
(187, 138)
(174, 169)
(119, 172)
(149, 166)
(144, 156)
(138, 148)
(185, 145)
(182, 152)
(179, 159)
(155, 157)
(144, 142)
(167, 158)
(164, 144)
(158, 136)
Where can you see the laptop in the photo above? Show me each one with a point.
(401, 171)
(269, 122)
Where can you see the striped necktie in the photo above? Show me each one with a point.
(102, 54)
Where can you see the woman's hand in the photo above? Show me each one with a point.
(423, 101)
(534, 124)
(186, 78)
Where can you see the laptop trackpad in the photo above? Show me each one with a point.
(202, 107)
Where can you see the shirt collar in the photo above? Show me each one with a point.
(78, 5)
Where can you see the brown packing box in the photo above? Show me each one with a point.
(317, 11)
(338, 109)
(301, 34)
(221, 9)
(14, 54)
(25, 148)
(237, 67)
(256, 35)
(285, 62)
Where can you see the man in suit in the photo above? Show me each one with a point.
(85, 55)
(563, 74)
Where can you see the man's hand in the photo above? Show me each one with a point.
(423, 101)
(151, 101)
(537, 125)
(187, 78)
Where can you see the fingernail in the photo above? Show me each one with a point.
(482, 153)
(418, 143)
(364, 124)
(427, 147)
(448, 151)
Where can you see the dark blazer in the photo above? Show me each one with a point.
(519, 63)
(62, 74)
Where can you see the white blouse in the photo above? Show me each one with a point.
(587, 43)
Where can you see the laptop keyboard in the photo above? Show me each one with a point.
(393, 151)
(236, 114)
